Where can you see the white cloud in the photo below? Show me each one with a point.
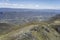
(10, 5)
(31, 6)
(36, 5)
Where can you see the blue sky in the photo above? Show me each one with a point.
(31, 4)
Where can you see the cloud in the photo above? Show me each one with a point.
(30, 6)
(10, 5)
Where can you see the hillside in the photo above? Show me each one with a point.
(34, 31)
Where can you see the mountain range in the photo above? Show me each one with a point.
(16, 15)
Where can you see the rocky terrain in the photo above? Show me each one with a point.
(33, 30)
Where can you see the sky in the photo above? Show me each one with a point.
(30, 4)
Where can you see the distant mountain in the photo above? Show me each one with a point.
(16, 15)
(22, 9)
